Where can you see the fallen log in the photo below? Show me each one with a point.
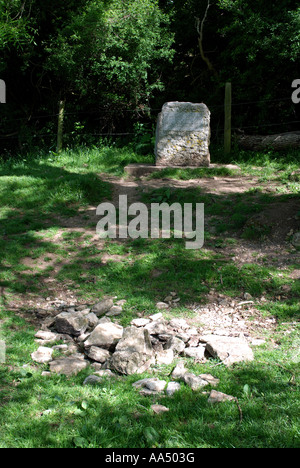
(277, 142)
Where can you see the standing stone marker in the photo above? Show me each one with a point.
(183, 135)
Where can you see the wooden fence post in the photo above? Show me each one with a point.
(228, 113)
(60, 125)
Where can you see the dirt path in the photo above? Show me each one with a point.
(215, 185)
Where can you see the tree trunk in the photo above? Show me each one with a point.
(278, 142)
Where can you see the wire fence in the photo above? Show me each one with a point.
(146, 110)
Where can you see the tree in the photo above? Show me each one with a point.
(84, 52)
(111, 52)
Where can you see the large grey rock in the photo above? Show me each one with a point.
(134, 353)
(183, 135)
(228, 349)
(73, 323)
(70, 365)
(135, 340)
(106, 335)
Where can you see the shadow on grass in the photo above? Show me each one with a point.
(65, 414)
(36, 197)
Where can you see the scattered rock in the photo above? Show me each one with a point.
(98, 354)
(247, 297)
(179, 324)
(42, 355)
(157, 316)
(63, 348)
(158, 327)
(162, 305)
(194, 381)
(165, 357)
(156, 385)
(93, 380)
(70, 365)
(71, 323)
(92, 320)
(197, 353)
(179, 371)
(158, 409)
(210, 379)
(105, 335)
(140, 322)
(134, 352)
(172, 388)
(228, 349)
(219, 397)
(46, 336)
(102, 307)
(115, 311)
(106, 373)
(296, 240)
(176, 344)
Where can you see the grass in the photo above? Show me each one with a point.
(47, 245)
(60, 412)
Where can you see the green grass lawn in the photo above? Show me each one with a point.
(46, 232)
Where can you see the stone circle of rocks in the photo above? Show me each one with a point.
(90, 337)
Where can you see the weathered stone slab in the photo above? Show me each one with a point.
(105, 335)
(228, 349)
(183, 135)
(71, 323)
(134, 352)
(70, 365)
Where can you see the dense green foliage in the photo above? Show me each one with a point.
(102, 57)
(115, 63)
